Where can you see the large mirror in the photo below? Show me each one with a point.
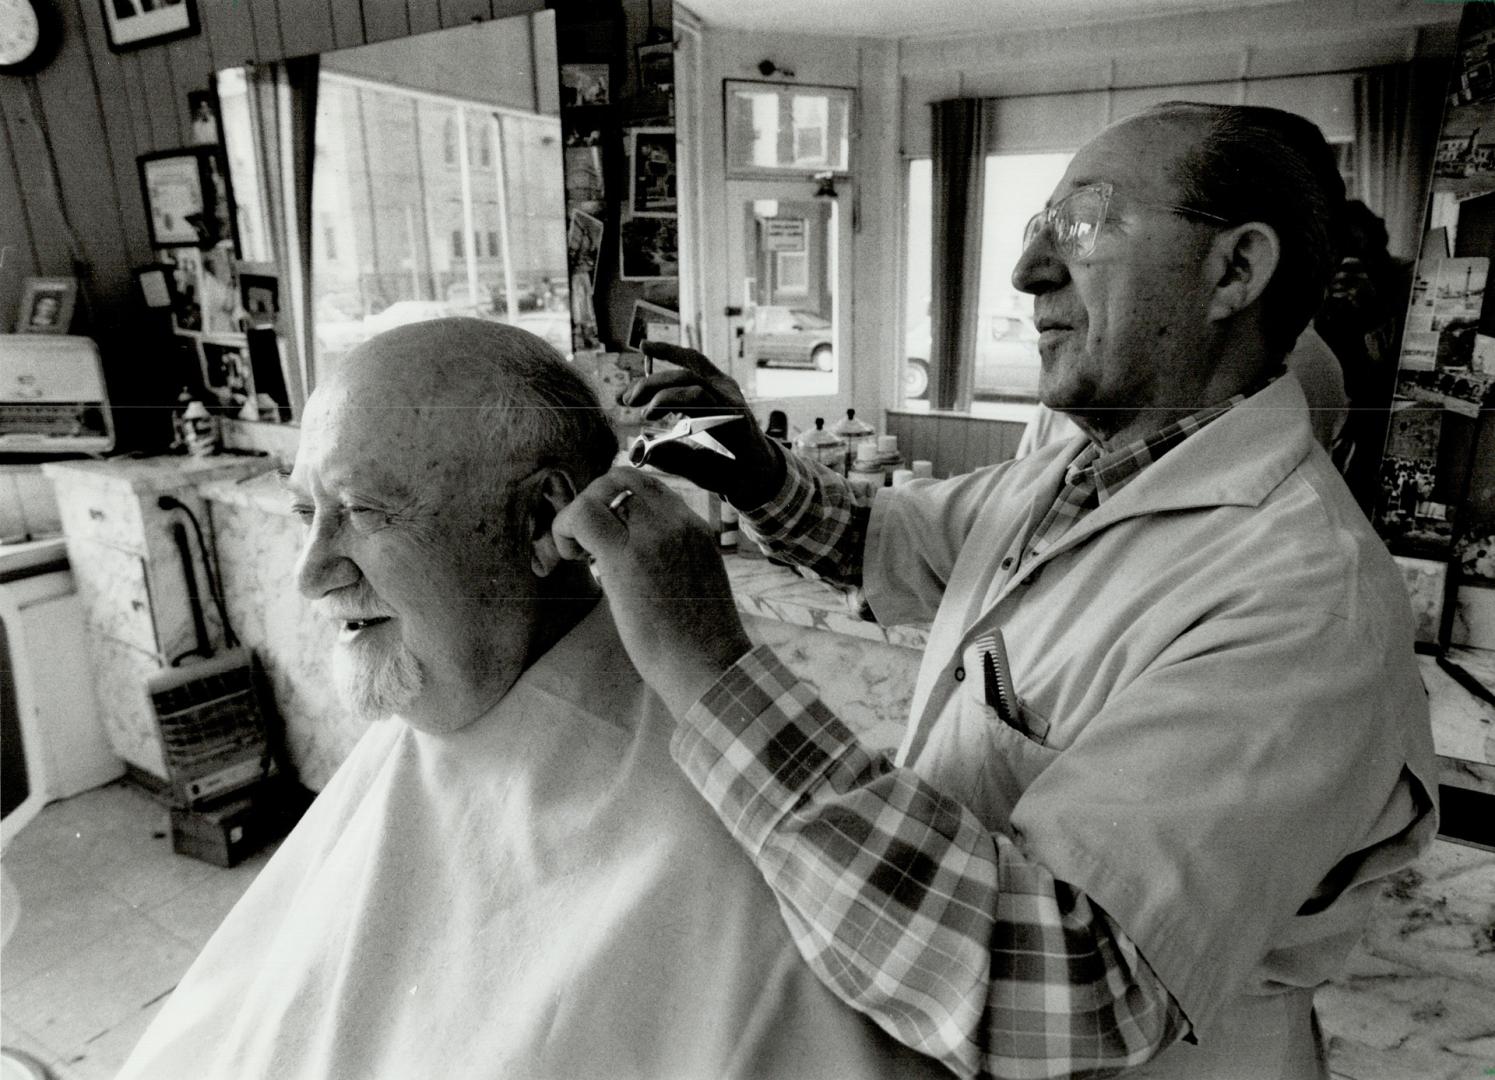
(424, 175)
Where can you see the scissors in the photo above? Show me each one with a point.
(689, 429)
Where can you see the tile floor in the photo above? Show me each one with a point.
(110, 918)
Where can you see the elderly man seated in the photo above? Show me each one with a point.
(509, 878)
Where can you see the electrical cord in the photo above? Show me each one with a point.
(171, 502)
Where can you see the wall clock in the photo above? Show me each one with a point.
(28, 33)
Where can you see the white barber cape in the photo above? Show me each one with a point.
(541, 894)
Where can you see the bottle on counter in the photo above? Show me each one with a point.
(866, 474)
(821, 446)
(853, 432)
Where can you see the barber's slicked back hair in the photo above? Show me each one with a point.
(533, 408)
(1261, 164)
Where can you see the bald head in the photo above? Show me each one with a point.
(496, 398)
(1253, 163)
(430, 467)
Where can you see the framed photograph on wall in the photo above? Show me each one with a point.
(130, 24)
(260, 295)
(651, 322)
(187, 197)
(649, 249)
(656, 66)
(46, 305)
(202, 106)
(651, 172)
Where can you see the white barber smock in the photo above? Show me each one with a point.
(540, 894)
(1235, 742)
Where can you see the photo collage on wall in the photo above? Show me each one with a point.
(622, 207)
(1430, 511)
(223, 310)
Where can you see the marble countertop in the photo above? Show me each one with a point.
(160, 472)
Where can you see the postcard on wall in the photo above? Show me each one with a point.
(584, 332)
(1475, 81)
(1426, 581)
(584, 84)
(583, 241)
(186, 303)
(220, 291)
(649, 249)
(651, 322)
(651, 168)
(1466, 146)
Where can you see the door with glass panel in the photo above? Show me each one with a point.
(787, 317)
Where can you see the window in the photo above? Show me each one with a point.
(1005, 366)
(420, 240)
(793, 130)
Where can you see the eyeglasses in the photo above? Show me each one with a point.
(1075, 221)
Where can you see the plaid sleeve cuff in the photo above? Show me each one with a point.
(776, 518)
(905, 906)
(756, 742)
(816, 520)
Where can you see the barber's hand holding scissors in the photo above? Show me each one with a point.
(696, 387)
(664, 579)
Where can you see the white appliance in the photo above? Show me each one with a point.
(54, 743)
(52, 397)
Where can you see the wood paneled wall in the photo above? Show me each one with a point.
(954, 443)
(70, 202)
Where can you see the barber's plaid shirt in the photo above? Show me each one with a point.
(900, 900)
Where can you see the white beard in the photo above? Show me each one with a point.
(377, 683)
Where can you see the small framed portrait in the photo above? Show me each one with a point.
(131, 24)
(584, 84)
(227, 372)
(202, 106)
(260, 295)
(651, 171)
(656, 67)
(187, 198)
(652, 323)
(47, 305)
(649, 249)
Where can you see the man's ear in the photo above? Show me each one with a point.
(1242, 260)
(546, 493)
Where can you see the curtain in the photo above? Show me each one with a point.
(961, 134)
(1397, 113)
(283, 104)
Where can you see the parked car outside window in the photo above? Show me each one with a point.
(789, 337)
(1006, 359)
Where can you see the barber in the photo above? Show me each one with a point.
(1148, 847)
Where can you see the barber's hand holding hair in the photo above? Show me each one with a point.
(664, 580)
(697, 387)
